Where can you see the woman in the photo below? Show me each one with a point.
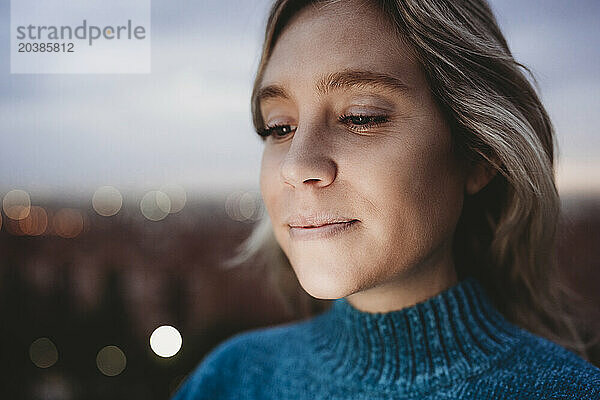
(407, 173)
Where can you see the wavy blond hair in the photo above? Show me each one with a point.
(506, 233)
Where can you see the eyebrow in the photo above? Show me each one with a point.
(345, 79)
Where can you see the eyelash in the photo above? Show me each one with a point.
(374, 121)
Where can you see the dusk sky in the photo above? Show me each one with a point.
(188, 122)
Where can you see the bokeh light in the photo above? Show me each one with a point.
(67, 223)
(155, 205)
(176, 195)
(111, 360)
(107, 201)
(232, 206)
(16, 204)
(248, 205)
(43, 353)
(35, 223)
(12, 226)
(244, 206)
(165, 341)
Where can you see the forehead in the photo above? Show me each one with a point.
(347, 35)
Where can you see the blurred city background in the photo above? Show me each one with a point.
(123, 195)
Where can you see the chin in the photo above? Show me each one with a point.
(323, 281)
(322, 292)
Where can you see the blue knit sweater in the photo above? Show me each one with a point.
(455, 345)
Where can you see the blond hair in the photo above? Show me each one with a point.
(506, 233)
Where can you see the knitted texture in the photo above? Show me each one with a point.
(455, 345)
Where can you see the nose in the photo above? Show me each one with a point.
(307, 161)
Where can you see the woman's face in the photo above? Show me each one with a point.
(360, 139)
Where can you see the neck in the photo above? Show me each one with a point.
(415, 286)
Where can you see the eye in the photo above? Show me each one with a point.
(360, 122)
(356, 122)
(277, 131)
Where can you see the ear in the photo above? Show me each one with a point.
(480, 174)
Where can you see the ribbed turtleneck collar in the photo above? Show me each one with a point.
(454, 334)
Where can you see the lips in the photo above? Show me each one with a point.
(320, 226)
(315, 221)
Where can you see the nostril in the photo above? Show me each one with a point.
(314, 170)
(312, 180)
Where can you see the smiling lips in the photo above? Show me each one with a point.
(319, 227)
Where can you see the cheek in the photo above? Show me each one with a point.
(268, 179)
(271, 190)
(418, 189)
